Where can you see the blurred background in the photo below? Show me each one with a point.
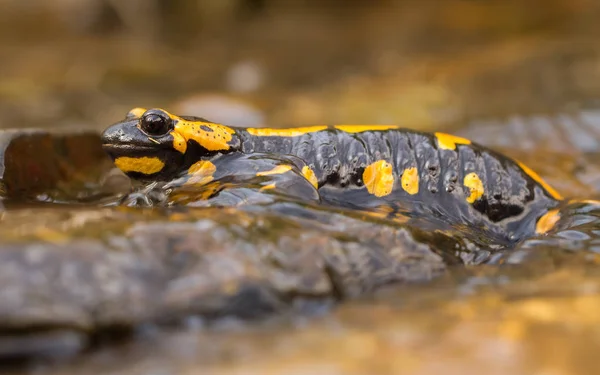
(425, 64)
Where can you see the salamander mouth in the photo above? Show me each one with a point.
(117, 150)
(126, 147)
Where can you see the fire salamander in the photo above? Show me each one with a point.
(435, 176)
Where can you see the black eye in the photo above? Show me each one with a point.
(155, 124)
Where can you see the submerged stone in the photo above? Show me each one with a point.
(91, 269)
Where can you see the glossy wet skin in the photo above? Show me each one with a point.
(141, 145)
(434, 176)
(156, 145)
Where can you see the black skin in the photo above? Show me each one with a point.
(507, 212)
(130, 138)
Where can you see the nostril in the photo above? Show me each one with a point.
(106, 137)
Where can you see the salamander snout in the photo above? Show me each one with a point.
(142, 147)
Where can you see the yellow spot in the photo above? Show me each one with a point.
(179, 143)
(136, 112)
(410, 180)
(309, 174)
(268, 187)
(211, 136)
(379, 178)
(201, 173)
(449, 142)
(555, 194)
(364, 128)
(473, 182)
(280, 169)
(145, 165)
(290, 132)
(547, 222)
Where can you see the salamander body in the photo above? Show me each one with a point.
(438, 176)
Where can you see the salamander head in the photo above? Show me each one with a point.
(142, 145)
(156, 145)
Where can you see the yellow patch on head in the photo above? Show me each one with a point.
(211, 136)
(547, 222)
(379, 178)
(290, 132)
(364, 128)
(534, 176)
(474, 184)
(280, 169)
(136, 112)
(179, 143)
(410, 180)
(201, 173)
(309, 174)
(449, 141)
(145, 165)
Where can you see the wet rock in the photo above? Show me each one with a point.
(514, 322)
(90, 269)
(53, 344)
(34, 162)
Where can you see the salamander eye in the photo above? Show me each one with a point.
(155, 124)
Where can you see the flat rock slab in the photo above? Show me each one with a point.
(90, 269)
